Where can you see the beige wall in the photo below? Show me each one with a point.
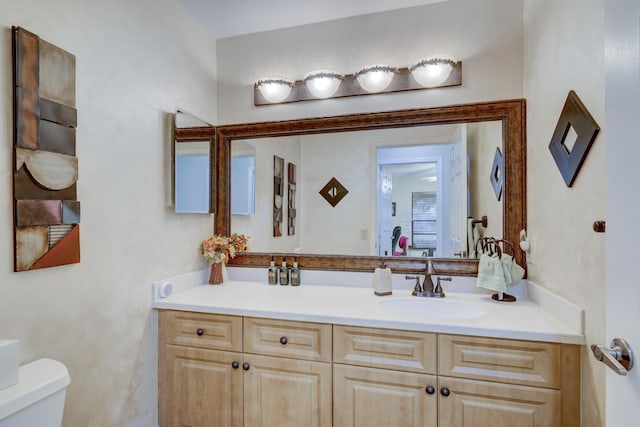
(486, 35)
(136, 61)
(483, 139)
(259, 225)
(564, 50)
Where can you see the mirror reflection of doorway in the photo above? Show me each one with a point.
(415, 179)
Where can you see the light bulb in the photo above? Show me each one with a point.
(323, 84)
(432, 72)
(274, 89)
(375, 78)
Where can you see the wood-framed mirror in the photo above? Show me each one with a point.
(194, 176)
(510, 113)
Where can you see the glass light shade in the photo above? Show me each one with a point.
(274, 89)
(433, 71)
(323, 84)
(375, 78)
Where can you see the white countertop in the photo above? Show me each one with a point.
(360, 307)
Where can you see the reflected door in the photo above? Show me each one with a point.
(458, 211)
(385, 185)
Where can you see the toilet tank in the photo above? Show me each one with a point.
(38, 398)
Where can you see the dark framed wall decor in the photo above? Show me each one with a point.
(574, 134)
(497, 173)
(278, 194)
(46, 209)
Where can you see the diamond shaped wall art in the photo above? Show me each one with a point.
(575, 132)
(333, 192)
(497, 174)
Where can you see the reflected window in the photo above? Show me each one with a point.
(192, 183)
(424, 221)
(243, 185)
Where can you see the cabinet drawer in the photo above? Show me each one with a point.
(501, 360)
(479, 404)
(201, 330)
(385, 348)
(284, 338)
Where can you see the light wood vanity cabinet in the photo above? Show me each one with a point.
(506, 382)
(318, 375)
(206, 380)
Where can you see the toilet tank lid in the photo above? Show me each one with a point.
(37, 380)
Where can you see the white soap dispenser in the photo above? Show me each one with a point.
(382, 282)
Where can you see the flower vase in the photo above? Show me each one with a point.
(217, 276)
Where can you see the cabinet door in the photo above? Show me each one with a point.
(201, 388)
(286, 393)
(369, 397)
(467, 403)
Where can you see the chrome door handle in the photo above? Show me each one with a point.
(618, 356)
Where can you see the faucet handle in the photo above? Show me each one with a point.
(438, 289)
(417, 287)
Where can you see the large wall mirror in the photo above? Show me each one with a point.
(413, 178)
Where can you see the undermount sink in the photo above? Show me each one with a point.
(419, 307)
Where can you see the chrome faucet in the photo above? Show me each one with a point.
(427, 289)
(427, 283)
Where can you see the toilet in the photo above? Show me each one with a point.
(37, 400)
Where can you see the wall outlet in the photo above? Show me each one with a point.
(364, 234)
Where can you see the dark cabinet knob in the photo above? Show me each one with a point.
(283, 340)
(235, 365)
(445, 391)
(430, 389)
(200, 332)
(246, 366)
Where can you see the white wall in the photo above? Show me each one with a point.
(486, 35)
(483, 139)
(564, 50)
(259, 226)
(135, 62)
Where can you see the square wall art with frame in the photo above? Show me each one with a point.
(46, 209)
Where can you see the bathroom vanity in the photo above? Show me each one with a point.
(249, 354)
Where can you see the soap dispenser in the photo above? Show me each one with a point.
(382, 280)
(272, 273)
(294, 275)
(284, 273)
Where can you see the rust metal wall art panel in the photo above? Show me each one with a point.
(278, 194)
(291, 211)
(65, 251)
(56, 138)
(31, 244)
(26, 72)
(57, 74)
(46, 212)
(38, 212)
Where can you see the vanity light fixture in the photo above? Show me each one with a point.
(274, 89)
(440, 71)
(375, 78)
(323, 84)
(433, 72)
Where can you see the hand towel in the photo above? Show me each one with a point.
(513, 273)
(491, 273)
